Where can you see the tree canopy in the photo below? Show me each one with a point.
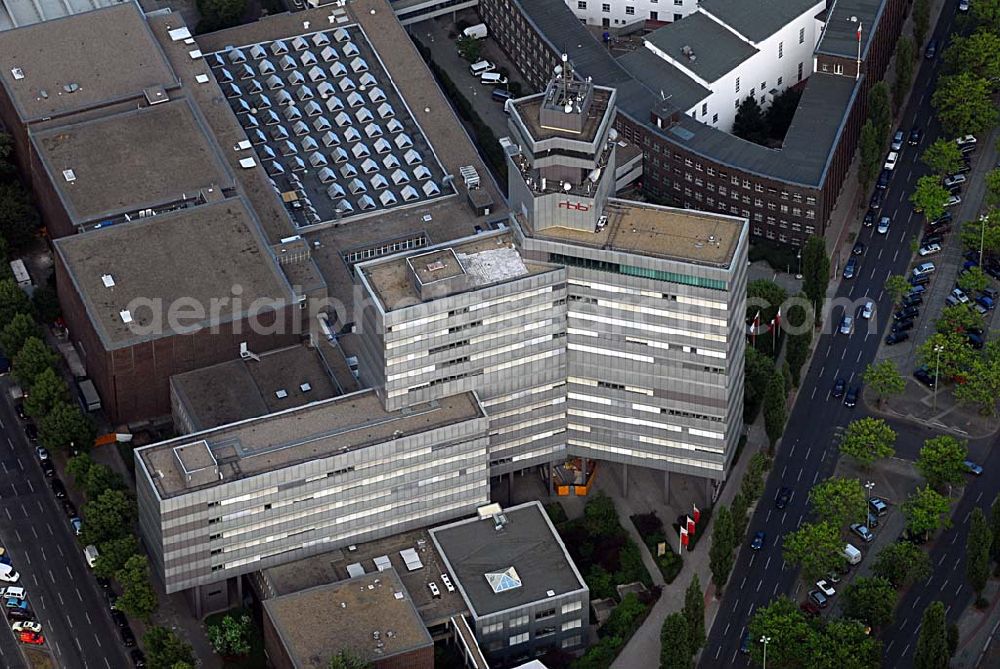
(884, 379)
(839, 501)
(816, 548)
(902, 563)
(932, 644)
(943, 157)
(926, 511)
(964, 104)
(941, 461)
(929, 197)
(749, 123)
(867, 440)
(871, 600)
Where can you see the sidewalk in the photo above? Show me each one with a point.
(645, 643)
(978, 642)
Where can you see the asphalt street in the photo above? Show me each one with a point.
(61, 589)
(808, 451)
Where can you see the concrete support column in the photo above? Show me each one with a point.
(666, 486)
(709, 487)
(625, 480)
(552, 484)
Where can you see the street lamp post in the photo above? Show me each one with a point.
(937, 371)
(798, 256)
(982, 237)
(765, 640)
(868, 498)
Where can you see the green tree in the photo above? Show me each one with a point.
(600, 516)
(765, 296)
(66, 426)
(867, 440)
(844, 644)
(469, 48)
(230, 637)
(929, 197)
(884, 378)
(165, 650)
(905, 54)
(921, 20)
(993, 188)
(958, 318)
(948, 353)
(816, 547)
(138, 597)
(932, 644)
(13, 301)
(902, 563)
(218, 14)
(100, 478)
(986, 13)
(995, 528)
(871, 155)
(897, 286)
(780, 112)
(749, 123)
(19, 219)
(113, 555)
(757, 370)
(982, 385)
(977, 53)
(879, 110)
(982, 233)
(109, 516)
(775, 411)
(17, 331)
(973, 280)
(48, 390)
(839, 501)
(740, 507)
(952, 639)
(941, 461)
(790, 633)
(943, 157)
(675, 643)
(78, 466)
(33, 359)
(815, 271)
(926, 511)
(346, 659)
(964, 104)
(977, 552)
(694, 614)
(720, 555)
(871, 600)
(798, 323)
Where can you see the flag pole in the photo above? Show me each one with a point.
(858, 75)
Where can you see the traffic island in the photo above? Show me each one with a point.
(918, 404)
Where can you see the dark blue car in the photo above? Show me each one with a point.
(758, 540)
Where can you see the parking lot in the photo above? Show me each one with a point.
(434, 34)
(948, 262)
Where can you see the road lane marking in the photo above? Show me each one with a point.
(808, 452)
(816, 475)
(844, 353)
(744, 581)
(813, 396)
(61, 601)
(783, 472)
(31, 488)
(941, 561)
(79, 596)
(61, 554)
(768, 563)
(799, 477)
(895, 255)
(979, 496)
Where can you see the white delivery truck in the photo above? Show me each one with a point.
(88, 395)
(852, 554)
(20, 273)
(477, 31)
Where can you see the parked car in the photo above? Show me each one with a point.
(906, 313)
(883, 225)
(973, 468)
(869, 218)
(31, 431)
(138, 659)
(128, 638)
(896, 337)
(934, 238)
(818, 598)
(915, 135)
(48, 468)
(851, 267)
(884, 177)
(26, 626)
(953, 200)
(913, 300)
(966, 140)
(916, 290)
(954, 180)
(975, 341)
(77, 526)
(924, 268)
(902, 326)
(42, 453)
(863, 532)
(959, 295)
(920, 280)
(758, 540)
(923, 375)
(58, 489)
(31, 638)
(745, 642)
(943, 219)
(963, 6)
(808, 608)
(929, 250)
(826, 588)
(891, 160)
(851, 398)
(784, 496)
(68, 508)
(897, 141)
(859, 248)
(878, 506)
(876, 200)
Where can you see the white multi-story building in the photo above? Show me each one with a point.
(733, 49)
(620, 13)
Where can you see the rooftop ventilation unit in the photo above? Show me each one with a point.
(281, 393)
(18, 73)
(126, 316)
(305, 387)
(69, 176)
(108, 280)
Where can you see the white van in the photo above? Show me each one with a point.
(478, 31)
(8, 575)
(482, 67)
(14, 591)
(90, 552)
(852, 554)
(492, 79)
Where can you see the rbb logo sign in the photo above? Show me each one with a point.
(574, 206)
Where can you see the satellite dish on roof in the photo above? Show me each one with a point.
(568, 108)
(565, 57)
(567, 186)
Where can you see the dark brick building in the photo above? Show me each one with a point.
(787, 193)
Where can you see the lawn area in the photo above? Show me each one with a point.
(650, 528)
(256, 659)
(38, 659)
(601, 548)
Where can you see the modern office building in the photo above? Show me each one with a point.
(597, 327)
(371, 616)
(217, 504)
(666, 95)
(522, 589)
